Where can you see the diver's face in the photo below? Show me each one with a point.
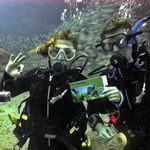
(117, 43)
(61, 55)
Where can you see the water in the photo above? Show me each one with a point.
(26, 23)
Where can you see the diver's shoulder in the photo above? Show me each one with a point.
(35, 70)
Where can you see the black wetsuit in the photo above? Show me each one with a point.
(62, 114)
(137, 119)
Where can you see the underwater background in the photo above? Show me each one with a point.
(26, 23)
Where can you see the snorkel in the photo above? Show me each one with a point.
(131, 41)
(139, 24)
(140, 55)
(135, 31)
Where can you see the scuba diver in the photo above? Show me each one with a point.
(129, 71)
(50, 118)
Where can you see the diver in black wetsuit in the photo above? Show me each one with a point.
(50, 118)
(135, 109)
(132, 76)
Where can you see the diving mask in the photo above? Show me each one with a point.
(62, 52)
(113, 43)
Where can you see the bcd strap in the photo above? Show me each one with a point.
(23, 127)
(19, 107)
(70, 142)
(35, 86)
(21, 142)
(22, 132)
(38, 83)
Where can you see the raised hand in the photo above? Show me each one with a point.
(14, 67)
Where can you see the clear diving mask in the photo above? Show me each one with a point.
(61, 55)
(113, 43)
(62, 52)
